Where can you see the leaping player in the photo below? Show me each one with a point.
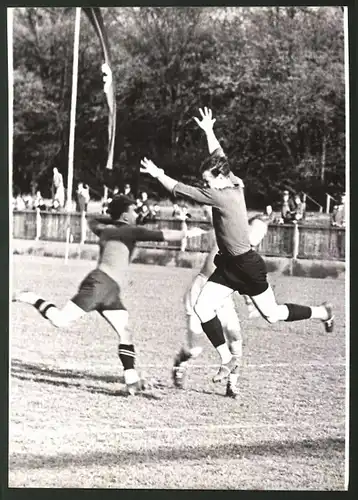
(101, 289)
(238, 266)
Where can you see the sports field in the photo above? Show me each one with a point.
(71, 424)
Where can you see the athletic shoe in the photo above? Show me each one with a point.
(328, 323)
(178, 376)
(226, 369)
(25, 296)
(135, 387)
(231, 391)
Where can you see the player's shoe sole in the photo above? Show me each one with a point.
(225, 369)
(329, 323)
(25, 296)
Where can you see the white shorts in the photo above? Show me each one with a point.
(226, 313)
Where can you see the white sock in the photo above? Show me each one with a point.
(236, 348)
(319, 312)
(131, 376)
(224, 353)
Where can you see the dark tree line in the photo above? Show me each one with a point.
(274, 78)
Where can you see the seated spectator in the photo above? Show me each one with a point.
(127, 190)
(19, 203)
(38, 202)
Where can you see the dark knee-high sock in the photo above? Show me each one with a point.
(214, 331)
(126, 354)
(297, 312)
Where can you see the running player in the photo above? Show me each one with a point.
(226, 314)
(101, 289)
(238, 266)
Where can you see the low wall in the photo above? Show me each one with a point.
(295, 241)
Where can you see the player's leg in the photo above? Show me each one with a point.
(251, 308)
(210, 300)
(118, 319)
(192, 349)
(273, 312)
(232, 330)
(58, 317)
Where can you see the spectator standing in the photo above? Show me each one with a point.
(299, 208)
(83, 197)
(338, 218)
(288, 208)
(58, 189)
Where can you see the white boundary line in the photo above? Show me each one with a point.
(347, 242)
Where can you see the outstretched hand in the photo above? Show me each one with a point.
(207, 121)
(148, 167)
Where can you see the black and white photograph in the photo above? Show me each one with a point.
(179, 263)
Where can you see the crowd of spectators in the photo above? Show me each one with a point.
(291, 210)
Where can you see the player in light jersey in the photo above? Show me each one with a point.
(238, 266)
(226, 314)
(102, 288)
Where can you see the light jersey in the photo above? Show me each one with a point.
(117, 243)
(229, 214)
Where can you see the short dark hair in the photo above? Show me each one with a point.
(217, 163)
(119, 205)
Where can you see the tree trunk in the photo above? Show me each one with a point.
(323, 157)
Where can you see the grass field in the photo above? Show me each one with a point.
(71, 424)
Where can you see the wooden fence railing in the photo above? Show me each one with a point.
(294, 241)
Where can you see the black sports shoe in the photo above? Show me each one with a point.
(226, 369)
(178, 376)
(329, 323)
(231, 391)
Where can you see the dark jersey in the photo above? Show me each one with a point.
(117, 242)
(229, 214)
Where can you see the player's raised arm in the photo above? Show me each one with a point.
(207, 124)
(177, 188)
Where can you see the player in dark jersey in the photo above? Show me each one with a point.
(101, 289)
(238, 266)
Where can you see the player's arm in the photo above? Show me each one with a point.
(144, 234)
(192, 193)
(257, 231)
(207, 124)
(99, 223)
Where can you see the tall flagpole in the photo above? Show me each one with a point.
(73, 109)
(71, 146)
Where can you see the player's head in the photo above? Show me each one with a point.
(215, 170)
(123, 207)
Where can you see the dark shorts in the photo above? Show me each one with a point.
(245, 273)
(98, 292)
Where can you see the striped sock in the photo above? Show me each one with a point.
(43, 306)
(126, 355)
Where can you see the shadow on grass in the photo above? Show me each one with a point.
(175, 453)
(71, 378)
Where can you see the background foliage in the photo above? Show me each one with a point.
(273, 76)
